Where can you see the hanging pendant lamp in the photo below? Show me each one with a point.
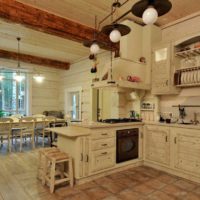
(19, 77)
(150, 10)
(115, 30)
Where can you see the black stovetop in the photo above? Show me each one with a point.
(119, 120)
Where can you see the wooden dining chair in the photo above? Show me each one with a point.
(6, 131)
(27, 127)
(49, 121)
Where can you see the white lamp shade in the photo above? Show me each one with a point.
(19, 77)
(39, 78)
(115, 36)
(94, 49)
(150, 15)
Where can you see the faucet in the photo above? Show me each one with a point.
(182, 112)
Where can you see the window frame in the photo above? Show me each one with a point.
(26, 103)
(68, 102)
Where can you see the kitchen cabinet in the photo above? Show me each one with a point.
(157, 145)
(186, 150)
(162, 70)
(102, 150)
(174, 150)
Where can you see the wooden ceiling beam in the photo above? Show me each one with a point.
(34, 60)
(39, 20)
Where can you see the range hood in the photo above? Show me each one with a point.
(117, 77)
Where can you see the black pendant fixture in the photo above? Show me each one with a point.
(162, 7)
(123, 29)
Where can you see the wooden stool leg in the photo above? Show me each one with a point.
(52, 179)
(44, 172)
(39, 165)
(71, 173)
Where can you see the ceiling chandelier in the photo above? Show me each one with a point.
(148, 10)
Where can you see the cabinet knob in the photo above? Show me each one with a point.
(104, 134)
(104, 145)
(104, 153)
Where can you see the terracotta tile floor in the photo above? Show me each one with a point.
(18, 182)
(141, 183)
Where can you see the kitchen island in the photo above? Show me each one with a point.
(93, 147)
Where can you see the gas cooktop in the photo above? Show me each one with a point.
(120, 120)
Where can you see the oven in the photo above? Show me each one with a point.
(127, 144)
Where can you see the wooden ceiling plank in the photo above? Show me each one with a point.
(34, 60)
(34, 18)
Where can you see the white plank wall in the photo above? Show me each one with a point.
(79, 76)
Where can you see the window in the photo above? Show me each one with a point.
(73, 103)
(12, 94)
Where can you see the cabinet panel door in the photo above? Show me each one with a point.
(157, 145)
(187, 151)
(161, 69)
(102, 159)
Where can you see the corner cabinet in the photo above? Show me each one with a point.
(162, 70)
(156, 144)
(187, 150)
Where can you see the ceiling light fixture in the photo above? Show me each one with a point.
(39, 78)
(19, 77)
(115, 30)
(150, 10)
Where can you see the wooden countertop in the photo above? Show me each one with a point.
(70, 131)
(175, 125)
(92, 125)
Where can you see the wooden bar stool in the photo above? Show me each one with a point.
(42, 160)
(61, 170)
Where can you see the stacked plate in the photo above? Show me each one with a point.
(190, 77)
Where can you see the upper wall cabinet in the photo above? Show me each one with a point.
(162, 70)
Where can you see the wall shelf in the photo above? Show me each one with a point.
(188, 53)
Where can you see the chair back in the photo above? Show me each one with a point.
(27, 123)
(5, 126)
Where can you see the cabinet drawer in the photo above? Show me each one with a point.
(102, 159)
(103, 143)
(104, 133)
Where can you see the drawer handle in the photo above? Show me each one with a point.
(104, 153)
(175, 140)
(166, 139)
(104, 145)
(104, 134)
